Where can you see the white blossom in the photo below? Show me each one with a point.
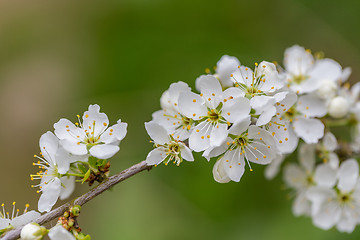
(60, 233)
(92, 135)
(167, 148)
(16, 219)
(338, 107)
(32, 231)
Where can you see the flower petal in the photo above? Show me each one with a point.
(325, 175)
(312, 106)
(199, 139)
(192, 105)
(68, 187)
(60, 233)
(156, 156)
(186, 153)
(95, 121)
(25, 218)
(310, 130)
(49, 196)
(104, 151)
(49, 144)
(218, 134)
(234, 164)
(219, 172)
(115, 133)
(157, 133)
(348, 175)
(73, 147)
(224, 67)
(236, 110)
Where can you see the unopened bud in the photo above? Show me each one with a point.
(338, 107)
(75, 210)
(33, 231)
(66, 214)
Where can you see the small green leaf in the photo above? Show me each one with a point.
(82, 168)
(87, 175)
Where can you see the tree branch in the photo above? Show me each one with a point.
(112, 181)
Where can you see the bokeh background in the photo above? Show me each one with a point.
(57, 57)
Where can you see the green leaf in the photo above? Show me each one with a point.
(87, 175)
(82, 168)
(101, 162)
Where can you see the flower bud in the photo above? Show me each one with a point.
(75, 210)
(33, 231)
(338, 107)
(219, 172)
(327, 89)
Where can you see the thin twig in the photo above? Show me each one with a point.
(113, 180)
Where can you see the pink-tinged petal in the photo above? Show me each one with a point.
(49, 144)
(236, 110)
(104, 151)
(68, 187)
(348, 175)
(218, 134)
(310, 130)
(25, 218)
(49, 196)
(94, 121)
(297, 60)
(326, 69)
(199, 139)
(60, 233)
(186, 153)
(156, 156)
(312, 106)
(219, 172)
(234, 164)
(115, 133)
(75, 148)
(325, 175)
(157, 133)
(192, 105)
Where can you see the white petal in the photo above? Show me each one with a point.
(72, 147)
(259, 153)
(261, 103)
(218, 134)
(219, 172)
(291, 144)
(232, 93)
(234, 164)
(156, 156)
(239, 127)
(49, 196)
(311, 106)
(330, 142)
(115, 133)
(301, 205)
(347, 221)
(348, 175)
(64, 129)
(186, 153)
(274, 167)
(25, 218)
(199, 140)
(49, 144)
(294, 176)
(325, 175)
(319, 195)
(328, 216)
(157, 133)
(286, 103)
(224, 67)
(68, 187)
(192, 105)
(310, 130)
(306, 156)
(94, 120)
(297, 61)
(104, 151)
(60, 233)
(63, 160)
(236, 110)
(266, 116)
(4, 223)
(261, 134)
(216, 151)
(326, 69)
(174, 92)
(334, 160)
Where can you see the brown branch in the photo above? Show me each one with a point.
(112, 181)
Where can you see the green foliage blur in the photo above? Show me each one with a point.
(57, 57)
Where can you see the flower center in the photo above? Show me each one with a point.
(299, 78)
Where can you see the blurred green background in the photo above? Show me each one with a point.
(57, 57)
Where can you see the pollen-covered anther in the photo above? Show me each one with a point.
(194, 100)
(202, 137)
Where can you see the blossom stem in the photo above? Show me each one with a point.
(112, 181)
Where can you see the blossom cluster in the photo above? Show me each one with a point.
(73, 150)
(239, 116)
